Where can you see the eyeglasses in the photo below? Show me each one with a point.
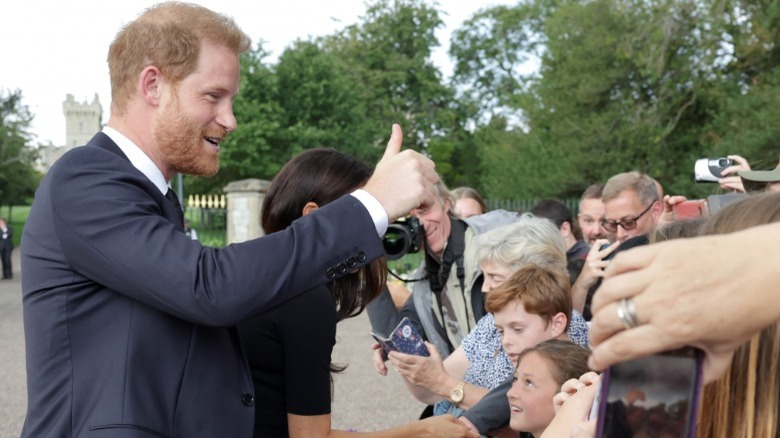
(627, 224)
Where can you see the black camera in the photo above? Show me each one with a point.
(403, 236)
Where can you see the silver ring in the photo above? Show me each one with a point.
(626, 312)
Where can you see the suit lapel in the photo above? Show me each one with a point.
(103, 141)
(170, 211)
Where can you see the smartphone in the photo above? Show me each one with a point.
(655, 396)
(405, 338)
(690, 209)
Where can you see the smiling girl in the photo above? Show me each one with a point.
(541, 370)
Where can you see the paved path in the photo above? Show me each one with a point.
(363, 399)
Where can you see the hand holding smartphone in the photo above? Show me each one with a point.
(405, 338)
(690, 209)
(656, 395)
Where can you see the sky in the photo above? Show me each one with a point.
(51, 48)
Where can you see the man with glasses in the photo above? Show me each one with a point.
(632, 205)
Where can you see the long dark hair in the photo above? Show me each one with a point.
(323, 175)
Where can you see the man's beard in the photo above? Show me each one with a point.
(180, 142)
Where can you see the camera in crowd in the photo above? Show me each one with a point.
(711, 169)
(403, 236)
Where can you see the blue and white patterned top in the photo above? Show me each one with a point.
(578, 329)
(488, 363)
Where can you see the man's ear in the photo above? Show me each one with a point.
(658, 208)
(558, 324)
(565, 228)
(150, 83)
(309, 207)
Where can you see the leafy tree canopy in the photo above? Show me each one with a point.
(18, 178)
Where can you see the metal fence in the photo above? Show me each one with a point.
(207, 214)
(525, 205)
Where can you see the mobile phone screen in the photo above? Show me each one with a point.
(651, 396)
(690, 209)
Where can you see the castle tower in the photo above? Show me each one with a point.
(82, 120)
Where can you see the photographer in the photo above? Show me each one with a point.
(446, 298)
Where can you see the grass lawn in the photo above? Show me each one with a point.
(16, 216)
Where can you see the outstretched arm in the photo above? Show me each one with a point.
(430, 379)
(710, 292)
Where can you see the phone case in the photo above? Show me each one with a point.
(694, 392)
(404, 339)
(690, 209)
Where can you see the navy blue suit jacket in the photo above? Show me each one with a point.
(129, 324)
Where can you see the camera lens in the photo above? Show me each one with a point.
(396, 242)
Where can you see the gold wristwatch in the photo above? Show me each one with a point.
(456, 393)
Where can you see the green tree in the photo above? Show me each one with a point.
(390, 58)
(344, 91)
(621, 85)
(747, 112)
(18, 179)
(322, 102)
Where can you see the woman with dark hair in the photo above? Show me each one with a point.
(289, 348)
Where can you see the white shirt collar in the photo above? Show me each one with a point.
(138, 158)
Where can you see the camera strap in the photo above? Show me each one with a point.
(453, 253)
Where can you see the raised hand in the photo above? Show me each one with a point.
(402, 180)
(731, 179)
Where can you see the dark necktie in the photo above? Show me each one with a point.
(171, 195)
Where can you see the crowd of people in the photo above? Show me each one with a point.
(133, 328)
(628, 211)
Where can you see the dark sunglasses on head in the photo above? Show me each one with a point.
(627, 223)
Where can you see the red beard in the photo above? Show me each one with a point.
(182, 143)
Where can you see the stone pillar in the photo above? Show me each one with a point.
(244, 201)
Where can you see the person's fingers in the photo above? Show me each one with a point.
(602, 253)
(606, 322)
(597, 246)
(559, 399)
(571, 386)
(598, 266)
(674, 200)
(630, 344)
(729, 180)
(379, 364)
(434, 352)
(590, 378)
(466, 422)
(402, 360)
(612, 289)
(743, 162)
(732, 183)
(395, 142)
(667, 204)
(624, 277)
